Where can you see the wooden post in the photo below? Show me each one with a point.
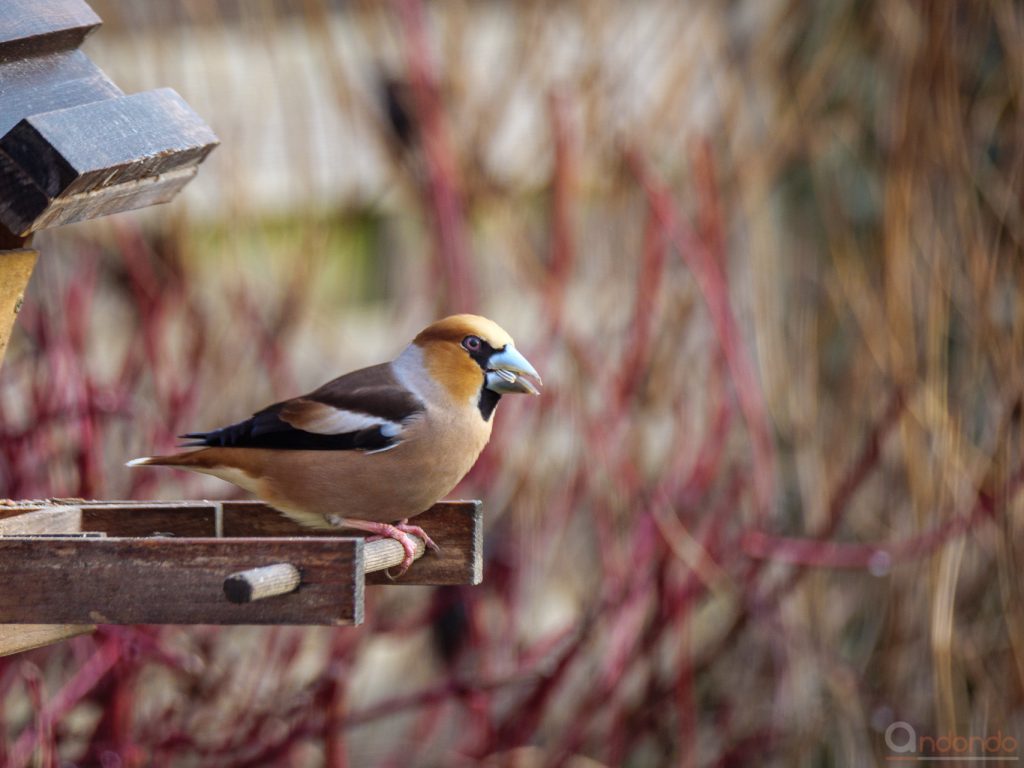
(15, 270)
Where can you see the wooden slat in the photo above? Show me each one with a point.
(25, 637)
(175, 581)
(15, 270)
(125, 519)
(15, 638)
(32, 27)
(47, 83)
(46, 520)
(456, 527)
(98, 158)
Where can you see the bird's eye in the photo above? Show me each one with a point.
(472, 343)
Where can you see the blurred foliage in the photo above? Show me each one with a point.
(767, 256)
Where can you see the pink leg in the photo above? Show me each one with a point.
(399, 533)
(415, 530)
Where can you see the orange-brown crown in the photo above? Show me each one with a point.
(457, 327)
(445, 358)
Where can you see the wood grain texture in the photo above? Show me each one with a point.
(456, 527)
(261, 583)
(15, 270)
(127, 519)
(175, 581)
(45, 520)
(25, 637)
(15, 638)
(99, 158)
(383, 554)
(32, 27)
(43, 84)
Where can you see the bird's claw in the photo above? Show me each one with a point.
(415, 530)
(400, 533)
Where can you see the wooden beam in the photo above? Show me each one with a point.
(456, 527)
(41, 84)
(33, 28)
(161, 564)
(44, 520)
(15, 270)
(25, 637)
(175, 581)
(15, 638)
(138, 518)
(99, 158)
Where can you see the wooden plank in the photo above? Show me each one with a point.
(25, 637)
(32, 28)
(98, 158)
(142, 193)
(15, 638)
(456, 527)
(127, 519)
(47, 83)
(175, 581)
(15, 270)
(46, 520)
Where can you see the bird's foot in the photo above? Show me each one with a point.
(400, 533)
(415, 530)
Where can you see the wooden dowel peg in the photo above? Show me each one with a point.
(387, 553)
(259, 583)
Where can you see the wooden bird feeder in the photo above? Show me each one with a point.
(73, 146)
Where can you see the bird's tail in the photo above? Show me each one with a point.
(187, 459)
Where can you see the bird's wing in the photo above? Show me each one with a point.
(365, 410)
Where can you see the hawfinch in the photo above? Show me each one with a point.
(376, 445)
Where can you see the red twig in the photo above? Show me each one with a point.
(708, 271)
(441, 197)
(84, 680)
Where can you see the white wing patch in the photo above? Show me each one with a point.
(324, 419)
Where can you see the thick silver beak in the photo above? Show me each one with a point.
(507, 371)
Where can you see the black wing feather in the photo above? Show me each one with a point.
(372, 391)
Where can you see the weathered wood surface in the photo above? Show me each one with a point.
(15, 638)
(15, 270)
(45, 520)
(127, 519)
(41, 84)
(161, 563)
(72, 145)
(25, 637)
(98, 158)
(32, 27)
(456, 527)
(175, 581)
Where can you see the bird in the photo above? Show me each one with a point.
(373, 448)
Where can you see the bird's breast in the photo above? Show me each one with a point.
(436, 451)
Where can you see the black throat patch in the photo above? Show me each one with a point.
(488, 401)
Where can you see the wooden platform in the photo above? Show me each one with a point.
(80, 563)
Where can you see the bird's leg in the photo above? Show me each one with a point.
(415, 530)
(399, 533)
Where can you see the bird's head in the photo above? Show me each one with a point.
(469, 353)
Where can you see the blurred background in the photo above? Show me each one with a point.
(767, 257)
